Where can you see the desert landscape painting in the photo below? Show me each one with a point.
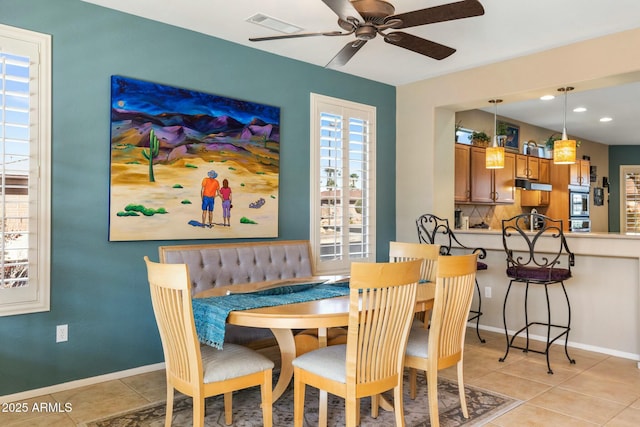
(165, 141)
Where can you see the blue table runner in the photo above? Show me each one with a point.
(210, 314)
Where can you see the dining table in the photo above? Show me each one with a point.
(284, 319)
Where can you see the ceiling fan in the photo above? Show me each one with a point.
(368, 18)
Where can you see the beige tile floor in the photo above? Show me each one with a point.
(599, 390)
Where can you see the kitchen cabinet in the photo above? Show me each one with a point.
(535, 198)
(462, 187)
(532, 168)
(527, 167)
(579, 172)
(545, 171)
(492, 186)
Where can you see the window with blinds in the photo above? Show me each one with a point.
(24, 170)
(343, 184)
(630, 200)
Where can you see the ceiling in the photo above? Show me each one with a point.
(508, 29)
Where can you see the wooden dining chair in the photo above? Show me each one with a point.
(428, 253)
(442, 345)
(403, 251)
(381, 305)
(197, 371)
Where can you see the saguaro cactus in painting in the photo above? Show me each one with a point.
(154, 149)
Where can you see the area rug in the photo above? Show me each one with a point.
(483, 407)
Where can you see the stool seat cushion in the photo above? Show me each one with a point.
(482, 266)
(538, 273)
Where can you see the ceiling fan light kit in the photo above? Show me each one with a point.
(367, 18)
(564, 150)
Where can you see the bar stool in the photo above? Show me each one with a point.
(434, 230)
(534, 258)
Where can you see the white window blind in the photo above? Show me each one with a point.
(343, 184)
(630, 200)
(24, 170)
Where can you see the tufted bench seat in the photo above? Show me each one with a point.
(218, 265)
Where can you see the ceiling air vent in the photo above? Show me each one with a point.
(273, 23)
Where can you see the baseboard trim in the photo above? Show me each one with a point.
(595, 349)
(81, 383)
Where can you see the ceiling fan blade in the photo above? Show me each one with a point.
(346, 53)
(444, 12)
(419, 45)
(293, 36)
(344, 9)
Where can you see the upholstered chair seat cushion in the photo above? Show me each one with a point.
(231, 362)
(482, 266)
(418, 344)
(328, 362)
(538, 273)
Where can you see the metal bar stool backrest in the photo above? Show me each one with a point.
(436, 231)
(531, 257)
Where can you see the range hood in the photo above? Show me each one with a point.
(525, 184)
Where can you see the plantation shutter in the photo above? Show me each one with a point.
(24, 170)
(631, 199)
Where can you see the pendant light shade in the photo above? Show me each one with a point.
(494, 155)
(564, 150)
(494, 158)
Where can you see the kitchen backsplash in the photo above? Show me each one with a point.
(494, 214)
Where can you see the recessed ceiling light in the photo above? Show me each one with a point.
(547, 97)
(273, 23)
(579, 110)
(606, 119)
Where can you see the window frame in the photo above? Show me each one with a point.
(624, 170)
(35, 297)
(348, 109)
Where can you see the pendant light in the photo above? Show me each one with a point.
(564, 150)
(494, 155)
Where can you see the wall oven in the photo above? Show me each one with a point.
(579, 208)
(580, 224)
(579, 201)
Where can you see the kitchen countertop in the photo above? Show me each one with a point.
(590, 234)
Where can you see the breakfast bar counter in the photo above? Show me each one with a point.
(604, 290)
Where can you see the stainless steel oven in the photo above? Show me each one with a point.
(578, 202)
(580, 225)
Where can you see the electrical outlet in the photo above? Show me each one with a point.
(487, 291)
(62, 333)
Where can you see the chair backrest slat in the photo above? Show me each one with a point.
(401, 251)
(171, 300)
(454, 292)
(382, 300)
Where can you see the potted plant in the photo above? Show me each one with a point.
(501, 129)
(479, 138)
(551, 141)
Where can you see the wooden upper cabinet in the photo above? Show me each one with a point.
(462, 191)
(493, 186)
(481, 177)
(527, 167)
(505, 191)
(579, 173)
(545, 171)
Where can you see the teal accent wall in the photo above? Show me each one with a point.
(618, 155)
(98, 287)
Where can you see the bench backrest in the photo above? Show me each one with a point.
(214, 265)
